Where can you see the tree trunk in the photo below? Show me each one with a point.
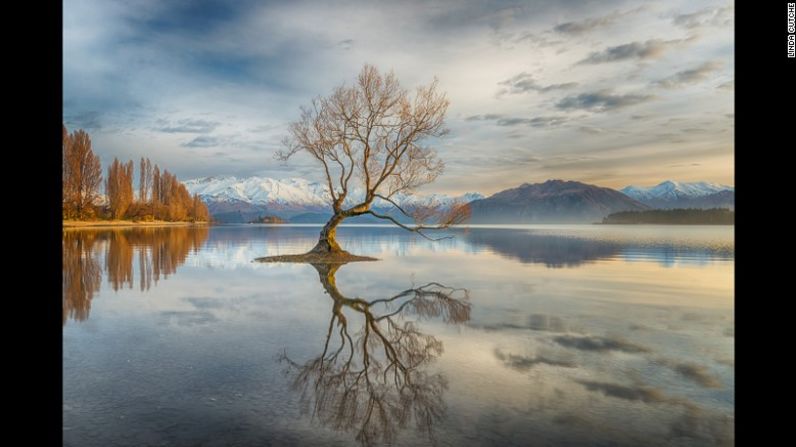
(326, 241)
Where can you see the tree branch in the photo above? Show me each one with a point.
(416, 229)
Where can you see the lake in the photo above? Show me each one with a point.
(499, 336)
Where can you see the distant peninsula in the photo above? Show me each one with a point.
(268, 220)
(679, 216)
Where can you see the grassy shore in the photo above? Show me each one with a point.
(126, 223)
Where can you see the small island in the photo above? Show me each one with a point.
(690, 216)
(268, 220)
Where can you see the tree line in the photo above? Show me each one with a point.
(160, 196)
(678, 216)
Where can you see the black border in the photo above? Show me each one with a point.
(37, 279)
(765, 136)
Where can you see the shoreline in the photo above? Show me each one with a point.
(127, 223)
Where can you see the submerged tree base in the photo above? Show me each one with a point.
(314, 257)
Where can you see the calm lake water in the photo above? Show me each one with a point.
(525, 335)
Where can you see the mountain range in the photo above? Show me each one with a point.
(671, 194)
(235, 200)
(231, 199)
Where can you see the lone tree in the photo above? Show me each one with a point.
(368, 138)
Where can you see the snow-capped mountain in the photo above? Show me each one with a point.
(259, 191)
(671, 194)
(673, 190)
(229, 197)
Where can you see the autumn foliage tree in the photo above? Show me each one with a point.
(173, 201)
(155, 188)
(160, 195)
(119, 188)
(200, 211)
(370, 137)
(82, 175)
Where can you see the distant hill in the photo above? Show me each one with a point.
(554, 201)
(671, 194)
(715, 216)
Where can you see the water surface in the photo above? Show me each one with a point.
(517, 335)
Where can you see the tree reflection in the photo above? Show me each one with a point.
(82, 274)
(159, 251)
(373, 383)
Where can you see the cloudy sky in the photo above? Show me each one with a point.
(608, 92)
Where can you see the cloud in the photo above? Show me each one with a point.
(205, 141)
(536, 322)
(690, 76)
(524, 363)
(699, 374)
(726, 362)
(584, 25)
(188, 318)
(487, 117)
(265, 128)
(539, 121)
(598, 344)
(245, 66)
(548, 323)
(535, 39)
(206, 302)
(702, 428)
(635, 393)
(507, 121)
(89, 120)
(729, 85)
(524, 82)
(649, 49)
(591, 24)
(705, 17)
(186, 126)
(692, 371)
(601, 101)
(591, 130)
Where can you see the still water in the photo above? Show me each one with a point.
(516, 335)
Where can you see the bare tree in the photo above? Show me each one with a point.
(369, 138)
(82, 174)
